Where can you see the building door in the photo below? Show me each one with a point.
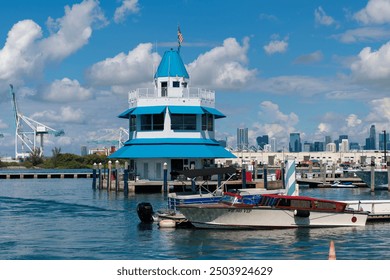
(176, 165)
(164, 89)
(159, 172)
(146, 170)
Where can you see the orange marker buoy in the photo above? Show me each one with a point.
(332, 251)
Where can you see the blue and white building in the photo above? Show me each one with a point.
(171, 123)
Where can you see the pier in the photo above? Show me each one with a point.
(9, 174)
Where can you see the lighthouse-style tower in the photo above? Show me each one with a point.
(171, 123)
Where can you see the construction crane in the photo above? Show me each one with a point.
(112, 137)
(27, 131)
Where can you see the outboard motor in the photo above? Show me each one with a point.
(145, 212)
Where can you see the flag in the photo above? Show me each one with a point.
(179, 36)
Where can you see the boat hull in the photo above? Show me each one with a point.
(380, 178)
(216, 216)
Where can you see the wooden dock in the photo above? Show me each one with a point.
(36, 174)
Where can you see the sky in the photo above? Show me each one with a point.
(277, 66)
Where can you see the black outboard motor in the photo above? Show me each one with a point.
(145, 212)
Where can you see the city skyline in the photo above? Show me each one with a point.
(296, 144)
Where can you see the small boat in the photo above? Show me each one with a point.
(202, 196)
(272, 211)
(339, 184)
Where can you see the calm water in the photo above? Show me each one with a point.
(66, 219)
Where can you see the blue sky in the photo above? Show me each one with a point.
(314, 67)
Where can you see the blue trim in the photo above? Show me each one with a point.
(147, 141)
(126, 114)
(172, 151)
(185, 110)
(214, 112)
(148, 110)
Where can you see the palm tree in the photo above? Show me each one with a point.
(56, 152)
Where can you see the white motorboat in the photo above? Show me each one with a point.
(272, 212)
(339, 184)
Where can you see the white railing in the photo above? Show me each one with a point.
(204, 95)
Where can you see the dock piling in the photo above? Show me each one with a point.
(243, 176)
(109, 176)
(388, 176)
(165, 168)
(94, 176)
(116, 175)
(265, 176)
(100, 175)
(372, 175)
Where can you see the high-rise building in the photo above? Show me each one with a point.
(382, 141)
(274, 147)
(262, 140)
(373, 137)
(331, 147)
(84, 151)
(295, 145)
(328, 140)
(344, 146)
(242, 138)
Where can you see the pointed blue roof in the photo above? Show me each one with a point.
(171, 65)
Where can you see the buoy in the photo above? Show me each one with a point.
(167, 223)
(332, 251)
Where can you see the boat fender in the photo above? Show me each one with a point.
(145, 212)
(302, 213)
(167, 223)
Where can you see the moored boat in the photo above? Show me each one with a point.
(338, 184)
(270, 211)
(381, 179)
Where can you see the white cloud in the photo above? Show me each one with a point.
(3, 125)
(222, 67)
(309, 58)
(66, 90)
(130, 69)
(285, 85)
(373, 65)
(322, 18)
(353, 120)
(376, 12)
(324, 128)
(19, 55)
(364, 34)
(25, 52)
(380, 112)
(66, 115)
(127, 7)
(276, 46)
(74, 30)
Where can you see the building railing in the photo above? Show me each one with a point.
(204, 95)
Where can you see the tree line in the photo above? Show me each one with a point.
(58, 160)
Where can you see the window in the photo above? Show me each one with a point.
(152, 122)
(207, 122)
(132, 121)
(176, 84)
(183, 122)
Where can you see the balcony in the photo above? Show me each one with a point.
(168, 96)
